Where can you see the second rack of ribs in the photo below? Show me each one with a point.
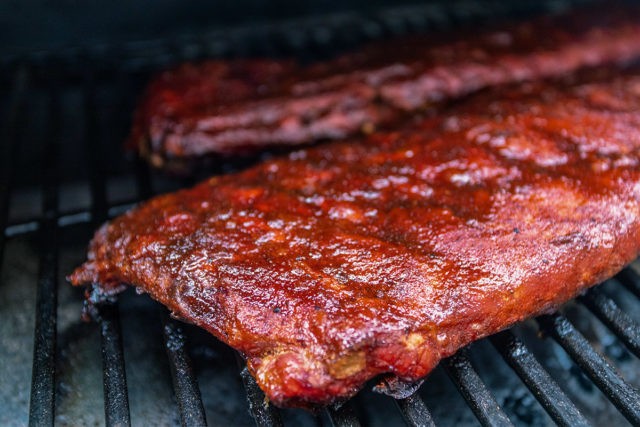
(246, 105)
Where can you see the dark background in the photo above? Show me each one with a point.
(45, 24)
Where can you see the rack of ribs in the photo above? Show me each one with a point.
(383, 254)
(239, 106)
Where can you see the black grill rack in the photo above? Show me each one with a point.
(87, 70)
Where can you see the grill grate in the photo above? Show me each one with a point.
(47, 226)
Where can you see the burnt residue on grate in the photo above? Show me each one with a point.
(64, 172)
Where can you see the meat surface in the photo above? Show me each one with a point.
(387, 253)
(242, 105)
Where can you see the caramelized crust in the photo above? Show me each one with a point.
(243, 105)
(385, 254)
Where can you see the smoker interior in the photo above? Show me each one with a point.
(63, 172)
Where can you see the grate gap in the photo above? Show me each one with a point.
(414, 411)
(185, 384)
(143, 178)
(94, 151)
(480, 400)
(621, 394)
(10, 141)
(537, 379)
(630, 279)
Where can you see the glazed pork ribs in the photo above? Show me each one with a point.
(242, 106)
(384, 254)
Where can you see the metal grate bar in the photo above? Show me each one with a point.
(618, 321)
(623, 396)
(537, 379)
(41, 409)
(116, 404)
(474, 391)
(630, 279)
(185, 384)
(343, 415)
(10, 144)
(263, 413)
(415, 412)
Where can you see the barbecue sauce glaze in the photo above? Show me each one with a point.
(386, 253)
